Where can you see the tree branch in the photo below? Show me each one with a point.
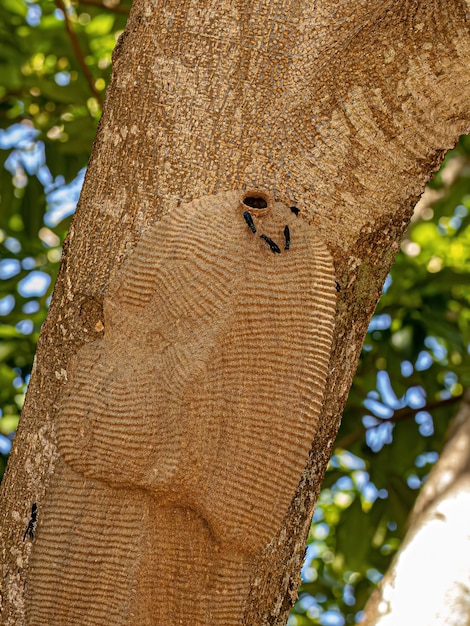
(438, 519)
(398, 416)
(108, 6)
(79, 54)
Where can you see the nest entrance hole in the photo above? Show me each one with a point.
(256, 202)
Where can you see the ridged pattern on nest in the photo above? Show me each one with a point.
(203, 396)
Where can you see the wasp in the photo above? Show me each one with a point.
(287, 237)
(249, 221)
(32, 523)
(274, 247)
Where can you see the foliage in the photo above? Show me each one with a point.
(55, 64)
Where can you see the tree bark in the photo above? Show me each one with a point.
(343, 109)
(429, 579)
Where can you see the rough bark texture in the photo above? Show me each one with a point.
(342, 108)
(428, 583)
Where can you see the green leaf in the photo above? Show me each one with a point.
(353, 536)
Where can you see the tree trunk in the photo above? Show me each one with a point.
(342, 109)
(429, 579)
